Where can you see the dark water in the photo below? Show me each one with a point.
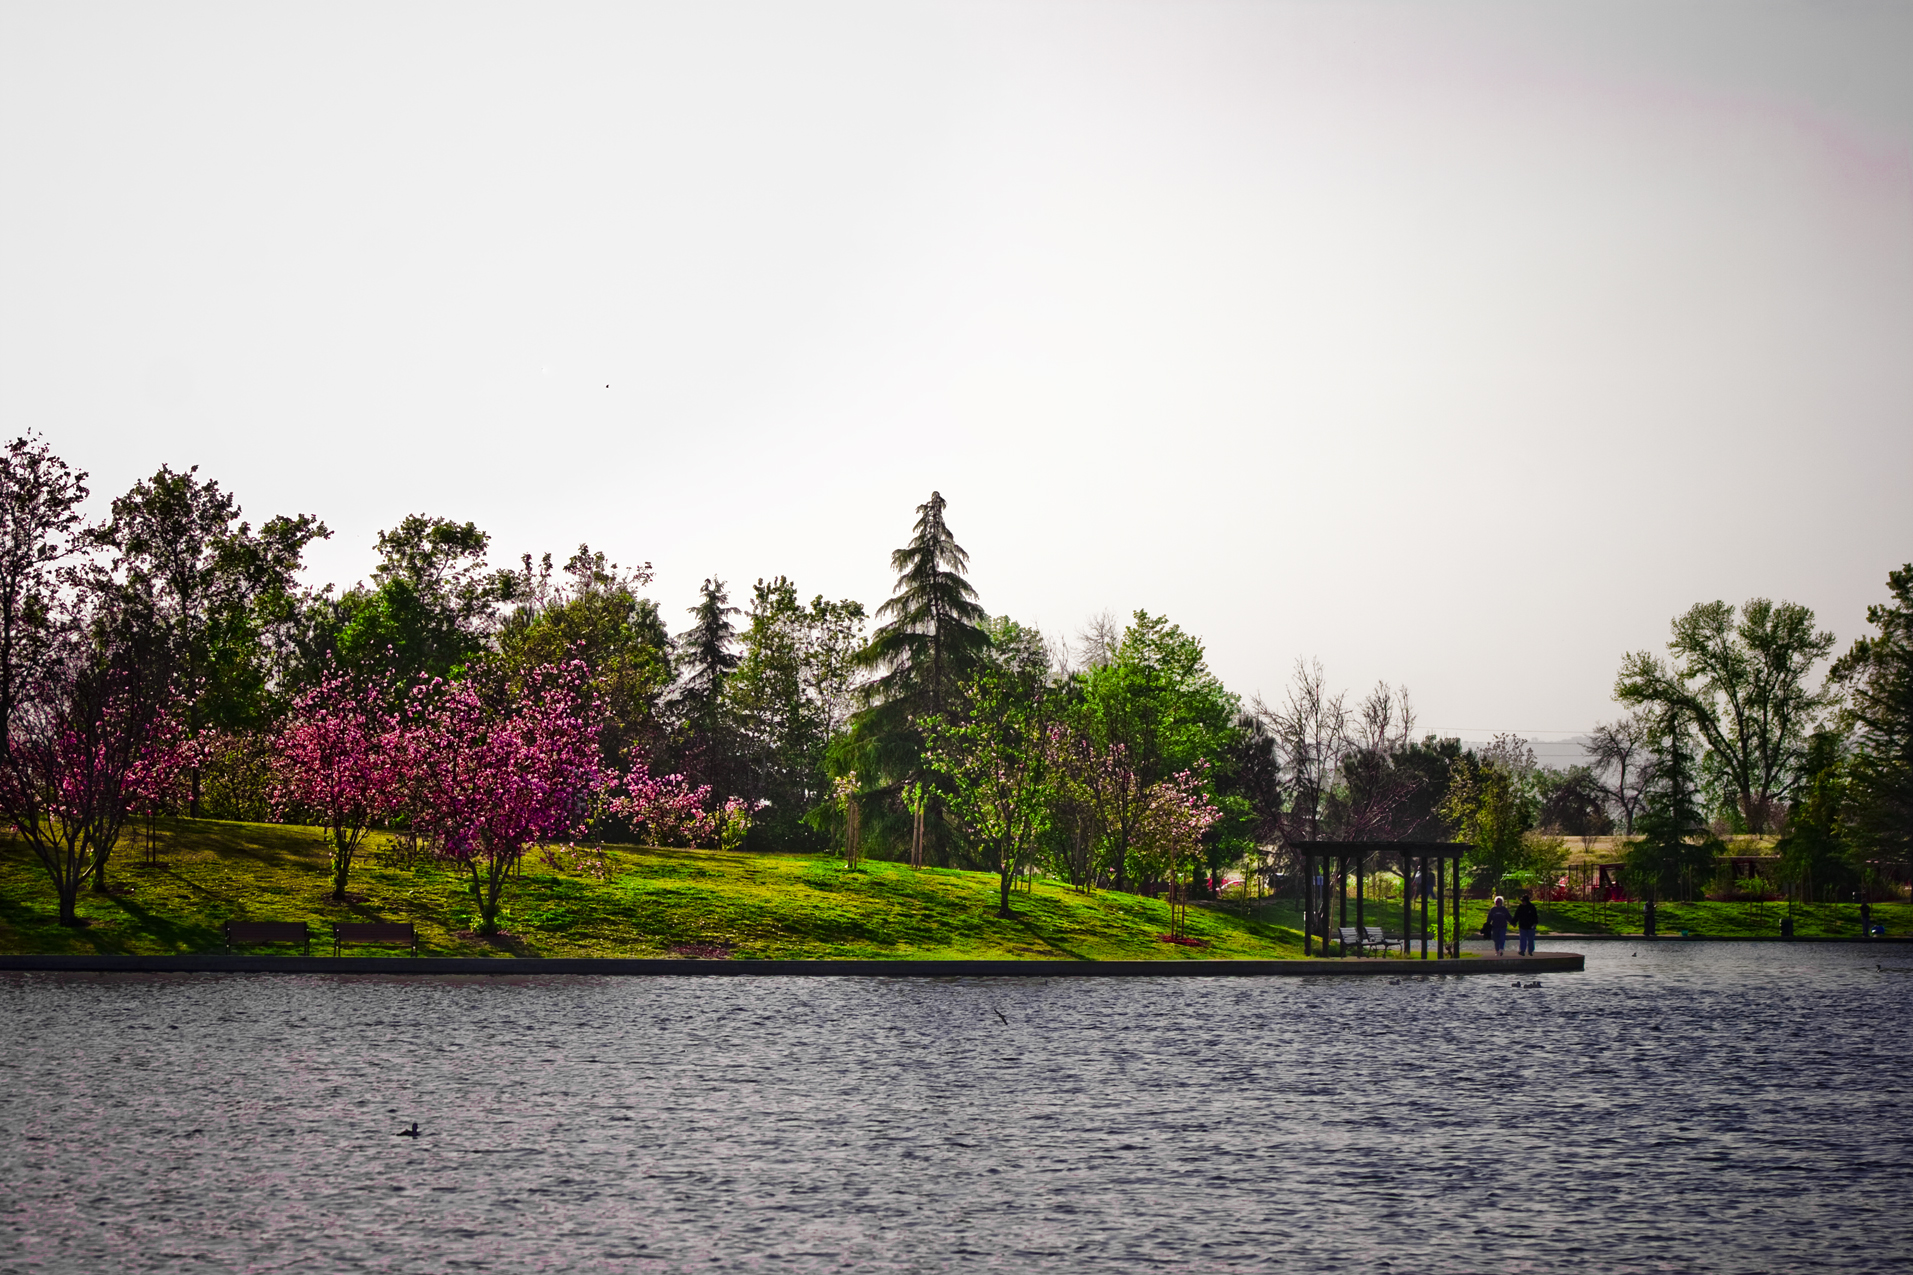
(1698, 1107)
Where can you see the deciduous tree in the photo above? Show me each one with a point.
(1742, 681)
(340, 764)
(490, 774)
(995, 753)
(92, 733)
(40, 495)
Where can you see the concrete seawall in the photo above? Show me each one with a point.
(1550, 963)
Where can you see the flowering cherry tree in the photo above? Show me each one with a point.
(489, 773)
(88, 734)
(154, 779)
(1175, 814)
(339, 762)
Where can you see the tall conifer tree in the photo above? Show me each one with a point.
(932, 638)
(707, 655)
(934, 634)
(1878, 673)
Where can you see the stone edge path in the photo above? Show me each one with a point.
(1548, 963)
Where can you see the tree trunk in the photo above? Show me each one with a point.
(341, 866)
(99, 868)
(1003, 892)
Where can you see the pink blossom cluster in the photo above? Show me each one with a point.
(483, 780)
(666, 810)
(340, 756)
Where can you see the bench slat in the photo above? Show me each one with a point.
(266, 931)
(269, 932)
(383, 933)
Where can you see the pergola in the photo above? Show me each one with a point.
(1426, 861)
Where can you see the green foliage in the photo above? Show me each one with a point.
(931, 639)
(1742, 683)
(215, 587)
(791, 692)
(1878, 675)
(706, 656)
(1675, 854)
(1573, 802)
(932, 636)
(430, 610)
(1157, 702)
(595, 615)
(1490, 805)
(994, 754)
(1815, 854)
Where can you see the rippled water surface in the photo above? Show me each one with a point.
(1693, 1107)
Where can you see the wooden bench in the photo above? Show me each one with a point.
(268, 932)
(1378, 938)
(375, 934)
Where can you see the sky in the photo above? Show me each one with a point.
(1456, 345)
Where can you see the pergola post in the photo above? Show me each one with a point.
(1421, 884)
(1424, 865)
(1359, 857)
(1407, 905)
(1341, 886)
(1308, 902)
(1457, 951)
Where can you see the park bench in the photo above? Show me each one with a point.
(375, 934)
(1360, 939)
(268, 932)
(1377, 938)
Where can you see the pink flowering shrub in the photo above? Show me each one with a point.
(488, 776)
(665, 810)
(339, 763)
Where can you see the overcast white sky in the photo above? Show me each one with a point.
(1456, 344)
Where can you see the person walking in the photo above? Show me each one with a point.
(1498, 918)
(1526, 918)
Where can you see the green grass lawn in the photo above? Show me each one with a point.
(636, 902)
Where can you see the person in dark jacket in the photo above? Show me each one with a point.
(1526, 918)
(1498, 918)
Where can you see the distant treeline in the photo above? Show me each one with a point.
(930, 731)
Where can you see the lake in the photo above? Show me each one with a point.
(1717, 1106)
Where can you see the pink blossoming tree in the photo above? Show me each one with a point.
(490, 772)
(88, 735)
(339, 763)
(1175, 814)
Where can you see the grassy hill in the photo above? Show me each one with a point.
(631, 901)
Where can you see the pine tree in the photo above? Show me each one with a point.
(1879, 674)
(707, 656)
(933, 638)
